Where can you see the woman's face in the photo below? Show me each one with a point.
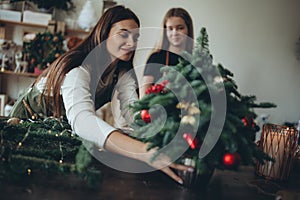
(122, 39)
(176, 32)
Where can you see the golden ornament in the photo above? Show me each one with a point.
(188, 119)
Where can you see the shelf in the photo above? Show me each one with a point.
(76, 31)
(22, 23)
(25, 74)
(68, 31)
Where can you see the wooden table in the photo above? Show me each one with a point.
(116, 185)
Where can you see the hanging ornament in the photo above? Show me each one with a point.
(248, 122)
(146, 117)
(193, 110)
(188, 119)
(189, 107)
(231, 160)
(190, 140)
(182, 105)
(245, 121)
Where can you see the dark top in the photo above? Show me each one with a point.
(157, 60)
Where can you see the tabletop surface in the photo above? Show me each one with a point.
(242, 184)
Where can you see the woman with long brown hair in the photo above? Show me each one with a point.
(177, 36)
(84, 78)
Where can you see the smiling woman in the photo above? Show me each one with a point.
(122, 39)
(85, 78)
(177, 36)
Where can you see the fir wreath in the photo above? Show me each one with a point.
(44, 49)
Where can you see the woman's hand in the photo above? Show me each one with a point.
(124, 145)
(163, 163)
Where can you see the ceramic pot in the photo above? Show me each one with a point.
(194, 180)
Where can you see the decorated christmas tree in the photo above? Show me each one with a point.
(196, 111)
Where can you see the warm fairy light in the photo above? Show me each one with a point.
(228, 159)
(189, 139)
(33, 117)
(60, 161)
(56, 135)
(20, 144)
(28, 171)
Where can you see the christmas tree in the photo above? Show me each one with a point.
(44, 147)
(196, 111)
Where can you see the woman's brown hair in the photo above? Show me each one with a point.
(74, 58)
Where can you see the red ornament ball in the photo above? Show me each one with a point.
(245, 122)
(146, 117)
(231, 160)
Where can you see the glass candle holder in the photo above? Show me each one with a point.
(279, 142)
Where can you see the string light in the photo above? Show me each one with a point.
(37, 141)
(61, 153)
(24, 138)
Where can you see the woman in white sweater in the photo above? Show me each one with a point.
(84, 78)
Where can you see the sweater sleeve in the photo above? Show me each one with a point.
(80, 109)
(127, 95)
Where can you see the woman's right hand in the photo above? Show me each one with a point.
(163, 163)
(124, 145)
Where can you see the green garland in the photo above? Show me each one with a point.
(47, 147)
